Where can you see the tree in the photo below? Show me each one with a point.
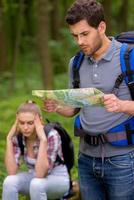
(3, 44)
(108, 14)
(123, 15)
(55, 19)
(43, 8)
(17, 42)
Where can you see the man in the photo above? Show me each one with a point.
(106, 172)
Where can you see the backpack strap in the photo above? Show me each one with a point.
(127, 68)
(125, 62)
(120, 135)
(75, 68)
(125, 37)
(20, 143)
(47, 128)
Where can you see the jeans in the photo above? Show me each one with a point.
(111, 179)
(50, 187)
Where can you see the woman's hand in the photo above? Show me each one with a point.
(39, 129)
(13, 130)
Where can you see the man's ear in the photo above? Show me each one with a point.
(102, 27)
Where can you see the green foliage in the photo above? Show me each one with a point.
(131, 15)
(62, 51)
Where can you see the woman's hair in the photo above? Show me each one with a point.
(89, 10)
(29, 106)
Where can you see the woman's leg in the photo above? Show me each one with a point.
(15, 184)
(51, 187)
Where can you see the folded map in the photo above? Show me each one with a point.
(73, 97)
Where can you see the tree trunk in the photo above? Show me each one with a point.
(28, 14)
(107, 4)
(123, 15)
(55, 19)
(3, 44)
(65, 4)
(43, 43)
(16, 46)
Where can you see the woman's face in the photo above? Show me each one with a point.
(26, 123)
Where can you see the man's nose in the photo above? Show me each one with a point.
(80, 40)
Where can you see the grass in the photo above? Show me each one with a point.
(28, 78)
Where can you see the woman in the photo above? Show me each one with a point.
(45, 178)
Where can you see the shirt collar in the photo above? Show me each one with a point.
(110, 52)
(108, 55)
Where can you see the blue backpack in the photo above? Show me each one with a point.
(123, 134)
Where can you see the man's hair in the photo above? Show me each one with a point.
(29, 106)
(89, 10)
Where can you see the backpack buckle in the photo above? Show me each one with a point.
(95, 140)
(76, 83)
(91, 140)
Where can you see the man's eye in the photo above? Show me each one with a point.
(85, 34)
(75, 36)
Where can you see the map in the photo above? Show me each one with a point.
(73, 97)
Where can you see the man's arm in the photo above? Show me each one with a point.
(113, 104)
(66, 111)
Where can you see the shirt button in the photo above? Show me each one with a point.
(96, 65)
(95, 75)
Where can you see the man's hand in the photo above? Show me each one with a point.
(54, 106)
(51, 105)
(112, 103)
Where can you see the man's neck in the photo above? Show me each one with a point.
(105, 45)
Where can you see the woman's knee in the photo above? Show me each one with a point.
(10, 182)
(37, 184)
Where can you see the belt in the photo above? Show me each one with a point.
(105, 138)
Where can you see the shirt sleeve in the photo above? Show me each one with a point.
(70, 73)
(54, 147)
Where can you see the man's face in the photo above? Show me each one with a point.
(89, 39)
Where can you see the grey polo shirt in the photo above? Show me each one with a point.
(102, 75)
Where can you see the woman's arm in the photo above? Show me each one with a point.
(54, 147)
(10, 161)
(42, 164)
